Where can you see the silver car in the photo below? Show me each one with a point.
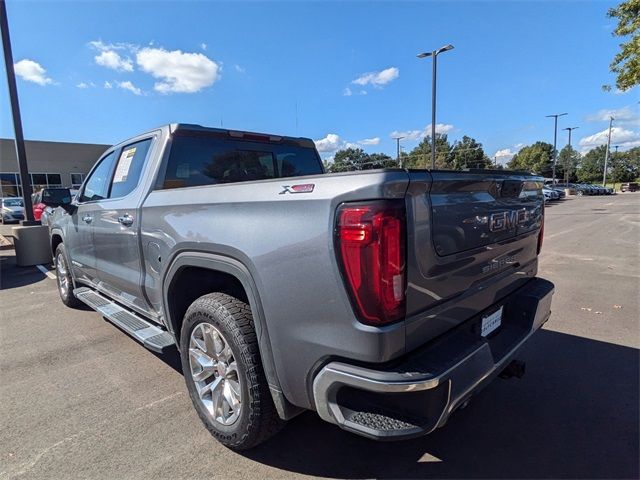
(12, 210)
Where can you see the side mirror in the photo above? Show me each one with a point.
(58, 197)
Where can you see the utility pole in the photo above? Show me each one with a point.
(17, 120)
(434, 54)
(397, 139)
(566, 172)
(606, 155)
(555, 137)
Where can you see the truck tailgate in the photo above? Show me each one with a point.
(472, 239)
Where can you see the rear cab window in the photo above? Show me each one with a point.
(200, 160)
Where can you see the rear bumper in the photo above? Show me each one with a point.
(414, 396)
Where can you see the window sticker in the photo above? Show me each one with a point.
(183, 170)
(124, 164)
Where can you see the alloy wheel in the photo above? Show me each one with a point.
(215, 374)
(62, 274)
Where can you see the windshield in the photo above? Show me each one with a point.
(12, 202)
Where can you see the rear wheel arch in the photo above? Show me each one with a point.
(193, 274)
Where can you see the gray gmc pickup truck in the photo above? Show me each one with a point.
(381, 299)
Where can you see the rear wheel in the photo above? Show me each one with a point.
(63, 278)
(224, 374)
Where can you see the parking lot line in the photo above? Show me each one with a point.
(46, 272)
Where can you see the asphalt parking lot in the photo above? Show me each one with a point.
(80, 399)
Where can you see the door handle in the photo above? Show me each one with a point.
(126, 220)
(87, 218)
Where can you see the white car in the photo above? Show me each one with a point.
(12, 209)
(550, 194)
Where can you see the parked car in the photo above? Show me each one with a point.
(381, 299)
(579, 189)
(629, 187)
(599, 189)
(558, 188)
(12, 209)
(583, 189)
(550, 194)
(46, 196)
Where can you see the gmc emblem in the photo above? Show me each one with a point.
(508, 220)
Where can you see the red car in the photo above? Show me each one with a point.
(46, 193)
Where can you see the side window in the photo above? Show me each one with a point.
(97, 186)
(129, 167)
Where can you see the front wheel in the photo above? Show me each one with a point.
(63, 278)
(224, 374)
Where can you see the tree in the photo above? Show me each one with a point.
(382, 160)
(568, 161)
(468, 153)
(350, 159)
(420, 156)
(626, 63)
(625, 166)
(536, 158)
(591, 166)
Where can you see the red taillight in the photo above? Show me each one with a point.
(541, 234)
(370, 240)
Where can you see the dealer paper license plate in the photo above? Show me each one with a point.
(490, 323)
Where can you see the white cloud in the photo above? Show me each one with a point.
(103, 47)
(370, 141)
(377, 79)
(413, 135)
(504, 155)
(108, 85)
(113, 60)
(626, 115)
(330, 143)
(347, 92)
(130, 87)
(239, 69)
(31, 71)
(178, 72)
(203, 46)
(86, 85)
(623, 137)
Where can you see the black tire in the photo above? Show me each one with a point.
(258, 419)
(66, 294)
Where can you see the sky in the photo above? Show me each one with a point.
(341, 73)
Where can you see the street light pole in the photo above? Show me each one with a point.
(434, 54)
(17, 120)
(555, 137)
(606, 155)
(570, 129)
(397, 139)
(614, 159)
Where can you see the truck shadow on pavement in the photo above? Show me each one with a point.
(574, 414)
(13, 276)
